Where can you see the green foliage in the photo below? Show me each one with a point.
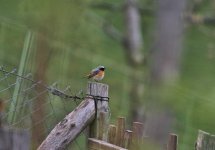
(74, 32)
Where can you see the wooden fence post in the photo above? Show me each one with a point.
(127, 139)
(138, 131)
(112, 134)
(76, 121)
(205, 141)
(172, 142)
(13, 139)
(99, 127)
(137, 135)
(120, 130)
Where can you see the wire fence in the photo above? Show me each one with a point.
(30, 104)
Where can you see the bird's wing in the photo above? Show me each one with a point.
(93, 73)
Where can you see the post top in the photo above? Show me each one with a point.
(97, 89)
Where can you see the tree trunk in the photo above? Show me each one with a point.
(133, 45)
(166, 53)
(164, 66)
(133, 38)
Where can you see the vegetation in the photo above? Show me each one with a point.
(70, 36)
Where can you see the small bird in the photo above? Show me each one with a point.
(97, 74)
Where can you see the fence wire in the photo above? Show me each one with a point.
(34, 106)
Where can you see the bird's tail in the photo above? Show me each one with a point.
(87, 76)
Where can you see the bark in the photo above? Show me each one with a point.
(165, 66)
(166, 53)
(133, 45)
(133, 38)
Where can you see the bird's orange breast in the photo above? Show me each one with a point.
(100, 74)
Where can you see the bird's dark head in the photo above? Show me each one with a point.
(102, 68)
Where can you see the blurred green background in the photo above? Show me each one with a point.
(68, 40)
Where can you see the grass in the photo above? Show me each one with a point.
(82, 45)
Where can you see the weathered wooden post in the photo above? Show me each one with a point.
(14, 139)
(137, 136)
(172, 142)
(120, 131)
(205, 141)
(76, 121)
(99, 127)
(127, 139)
(112, 134)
